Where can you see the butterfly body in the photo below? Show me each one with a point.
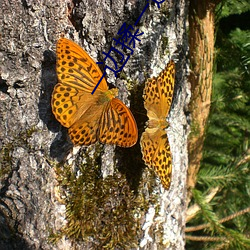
(158, 93)
(89, 118)
(157, 123)
(107, 96)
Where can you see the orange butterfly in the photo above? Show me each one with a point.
(158, 93)
(90, 118)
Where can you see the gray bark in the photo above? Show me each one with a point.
(34, 146)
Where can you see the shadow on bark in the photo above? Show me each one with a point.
(130, 159)
(61, 145)
(9, 239)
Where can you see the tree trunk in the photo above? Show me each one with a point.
(54, 195)
(201, 40)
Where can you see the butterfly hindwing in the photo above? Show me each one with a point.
(156, 154)
(118, 125)
(84, 133)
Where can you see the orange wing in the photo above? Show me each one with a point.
(156, 154)
(85, 130)
(158, 92)
(78, 74)
(87, 116)
(155, 148)
(117, 125)
(76, 68)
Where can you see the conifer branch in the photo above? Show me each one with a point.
(230, 217)
(245, 159)
(205, 238)
(194, 209)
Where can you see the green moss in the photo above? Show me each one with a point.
(28, 133)
(5, 161)
(164, 45)
(105, 212)
(129, 83)
(164, 10)
(123, 76)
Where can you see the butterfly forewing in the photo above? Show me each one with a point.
(158, 92)
(76, 68)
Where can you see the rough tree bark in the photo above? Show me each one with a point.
(39, 166)
(201, 41)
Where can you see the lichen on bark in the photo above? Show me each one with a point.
(33, 144)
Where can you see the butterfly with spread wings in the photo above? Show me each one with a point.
(89, 118)
(158, 93)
